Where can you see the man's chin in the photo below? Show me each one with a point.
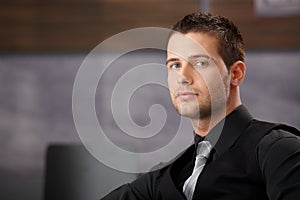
(189, 114)
(193, 114)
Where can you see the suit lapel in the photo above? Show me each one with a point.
(167, 186)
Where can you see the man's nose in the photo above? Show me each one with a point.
(185, 74)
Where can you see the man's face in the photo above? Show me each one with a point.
(197, 76)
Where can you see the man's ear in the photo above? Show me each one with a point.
(237, 72)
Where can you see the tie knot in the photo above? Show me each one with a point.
(203, 148)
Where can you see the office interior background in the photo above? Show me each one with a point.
(43, 44)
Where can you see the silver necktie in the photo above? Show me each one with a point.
(203, 151)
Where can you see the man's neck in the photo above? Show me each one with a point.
(203, 126)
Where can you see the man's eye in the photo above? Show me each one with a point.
(202, 63)
(174, 66)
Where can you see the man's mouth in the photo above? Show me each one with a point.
(186, 95)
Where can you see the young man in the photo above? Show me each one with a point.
(235, 156)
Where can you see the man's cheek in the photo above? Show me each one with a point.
(172, 79)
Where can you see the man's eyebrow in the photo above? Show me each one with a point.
(193, 57)
(172, 60)
(198, 56)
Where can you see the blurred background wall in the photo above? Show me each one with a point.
(78, 25)
(43, 43)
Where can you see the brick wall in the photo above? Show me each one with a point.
(79, 25)
(260, 33)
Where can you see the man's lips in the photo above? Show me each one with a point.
(186, 95)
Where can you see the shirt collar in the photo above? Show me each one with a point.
(198, 138)
(227, 131)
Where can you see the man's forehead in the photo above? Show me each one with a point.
(183, 46)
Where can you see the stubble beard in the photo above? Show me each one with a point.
(203, 109)
(194, 109)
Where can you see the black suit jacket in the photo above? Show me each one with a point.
(251, 160)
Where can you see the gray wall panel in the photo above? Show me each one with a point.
(36, 98)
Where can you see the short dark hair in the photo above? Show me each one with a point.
(231, 44)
